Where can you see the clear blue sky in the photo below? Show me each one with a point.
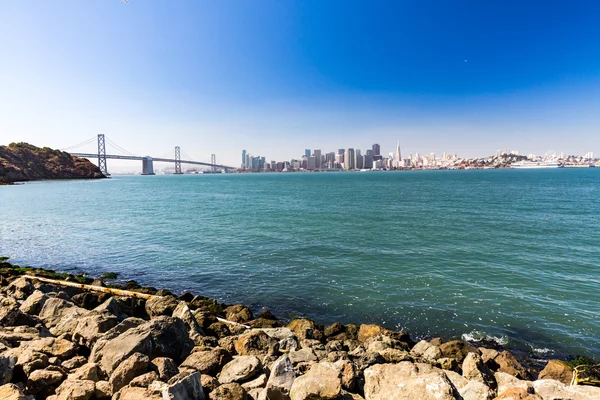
(276, 77)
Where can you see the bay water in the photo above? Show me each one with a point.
(507, 255)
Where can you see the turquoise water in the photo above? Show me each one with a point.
(508, 254)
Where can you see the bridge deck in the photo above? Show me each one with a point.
(170, 160)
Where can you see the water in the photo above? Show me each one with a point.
(504, 254)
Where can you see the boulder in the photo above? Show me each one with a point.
(20, 289)
(69, 321)
(134, 365)
(395, 356)
(10, 391)
(34, 303)
(449, 364)
(164, 367)
(322, 381)
(74, 363)
(407, 381)
(138, 393)
(208, 361)
(334, 329)
(229, 391)
(281, 379)
(240, 369)
(12, 338)
(75, 389)
(302, 355)
(92, 326)
(56, 309)
(257, 383)
(347, 374)
(305, 329)
(518, 394)
(9, 311)
(157, 306)
(144, 380)
(375, 344)
(209, 383)
(218, 329)
(552, 389)
(367, 331)
(113, 307)
(508, 363)
(426, 351)
(488, 355)
(256, 343)
(89, 300)
(54, 347)
(39, 379)
(557, 370)
(102, 390)
(506, 381)
(7, 367)
(475, 390)
(160, 337)
(238, 313)
(87, 372)
(28, 360)
(186, 388)
(183, 312)
(475, 369)
(457, 379)
(458, 350)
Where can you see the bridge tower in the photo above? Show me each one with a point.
(102, 154)
(177, 160)
(213, 161)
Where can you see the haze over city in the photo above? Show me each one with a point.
(278, 77)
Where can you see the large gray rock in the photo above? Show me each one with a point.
(207, 362)
(281, 379)
(256, 343)
(508, 382)
(87, 372)
(20, 289)
(9, 311)
(426, 351)
(186, 388)
(161, 305)
(91, 326)
(134, 365)
(113, 307)
(475, 369)
(55, 310)
(183, 312)
(475, 390)
(160, 337)
(41, 378)
(53, 347)
(164, 367)
(28, 360)
(240, 369)
(75, 389)
(34, 303)
(407, 381)
(229, 391)
(322, 381)
(553, 390)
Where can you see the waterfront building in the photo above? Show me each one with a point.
(376, 150)
(318, 161)
(339, 158)
(311, 163)
(330, 158)
(307, 152)
(368, 159)
(358, 160)
(243, 158)
(349, 159)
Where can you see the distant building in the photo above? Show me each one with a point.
(318, 161)
(376, 150)
(307, 152)
(349, 162)
(147, 166)
(358, 160)
(398, 156)
(311, 163)
(243, 158)
(368, 159)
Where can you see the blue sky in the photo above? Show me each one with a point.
(276, 77)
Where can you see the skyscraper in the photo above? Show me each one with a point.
(358, 160)
(376, 150)
(318, 160)
(398, 156)
(349, 159)
(243, 158)
(307, 153)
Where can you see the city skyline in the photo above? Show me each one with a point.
(216, 77)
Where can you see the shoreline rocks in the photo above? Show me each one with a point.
(58, 343)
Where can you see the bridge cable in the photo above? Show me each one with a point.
(92, 139)
(127, 152)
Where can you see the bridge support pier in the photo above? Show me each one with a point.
(147, 166)
(102, 155)
(178, 161)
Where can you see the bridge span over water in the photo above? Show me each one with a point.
(147, 161)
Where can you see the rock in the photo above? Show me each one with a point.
(448, 364)
(89, 300)
(10, 391)
(186, 388)
(281, 379)
(157, 306)
(9, 311)
(56, 310)
(240, 369)
(183, 312)
(209, 383)
(375, 344)
(238, 313)
(347, 374)
(475, 390)
(7, 367)
(8, 335)
(228, 343)
(229, 391)
(74, 363)
(365, 360)
(553, 389)
(457, 379)
(219, 329)
(102, 390)
(20, 289)
(204, 318)
(39, 379)
(135, 365)
(165, 367)
(506, 381)
(133, 307)
(407, 381)
(256, 343)
(93, 325)
(87, 372)
(160, 337)
(508, 363)
(113, 307)
(458, 350)
(138, 393)
(144, 380)
(426, 351)
(334, 329)
(207, 362)
(305, 329)
(557, 370)
(55, 347)
(395, 355)
(34, 303)
(474, 368)
(28, 360)
(286, 337)
(518, 394)
(322, 381)
(75, 390)
(488, 355)
(256, 383)
(302, 355)
(69, 321)
(367, 331)
(264, 323)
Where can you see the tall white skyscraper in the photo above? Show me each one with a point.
(349, 159)
(398, 156)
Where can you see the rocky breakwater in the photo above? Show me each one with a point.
(59, 342)
(21, 162)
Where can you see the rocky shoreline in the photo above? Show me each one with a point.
(61, 342)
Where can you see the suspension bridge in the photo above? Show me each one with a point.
(147, 161)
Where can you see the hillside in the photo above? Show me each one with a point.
(21, 162)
